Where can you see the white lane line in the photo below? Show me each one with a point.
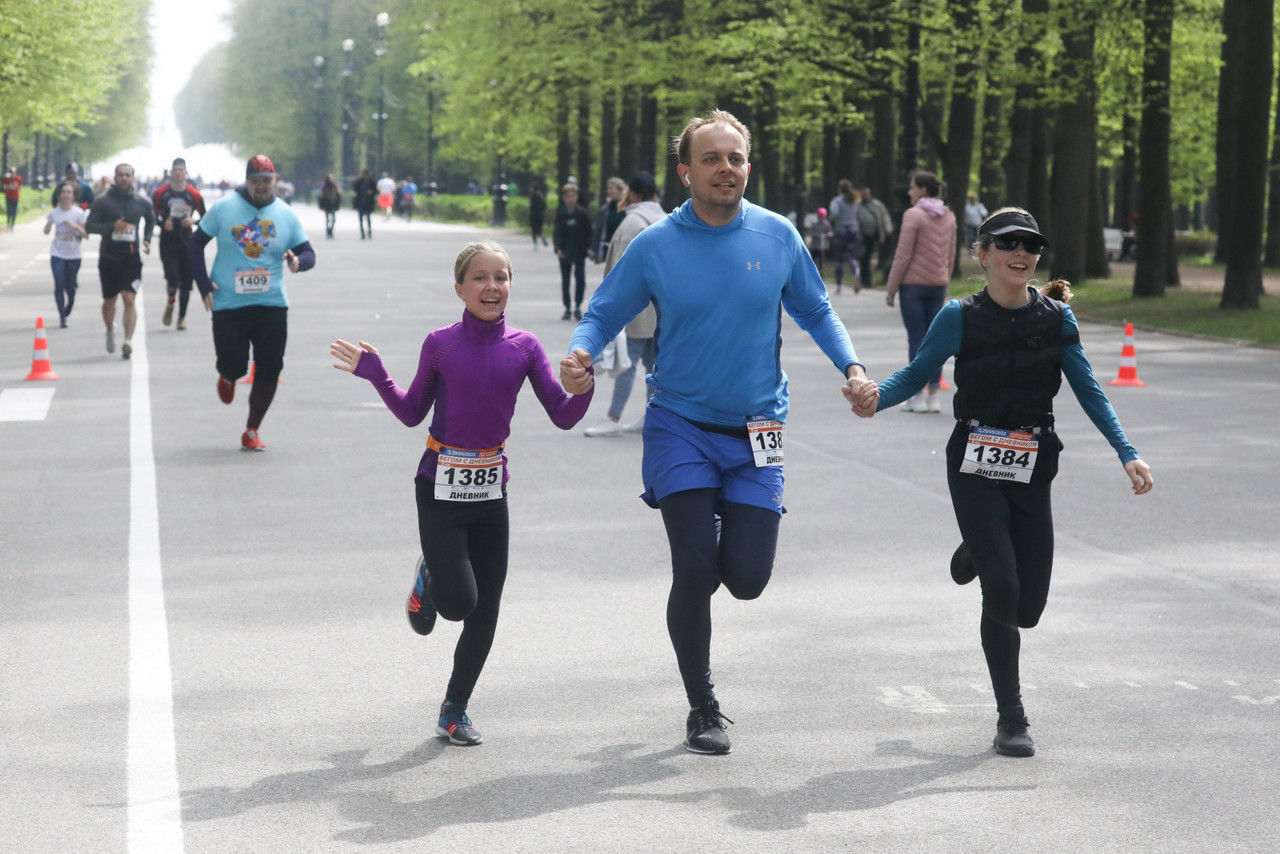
(155, 808)
(1186, 685)
(1132, 684)
(25, 404)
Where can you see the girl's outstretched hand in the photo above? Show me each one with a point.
(1140, 476)
(348, 354)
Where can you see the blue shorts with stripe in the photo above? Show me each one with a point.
(679, 455)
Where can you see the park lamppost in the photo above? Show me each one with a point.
(322, 154)
(382, 20)
(348, 158)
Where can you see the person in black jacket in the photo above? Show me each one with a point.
(364, 201)
(537, 214)
(572, 238)
(116, 215)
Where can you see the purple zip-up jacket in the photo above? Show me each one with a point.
(472, 371)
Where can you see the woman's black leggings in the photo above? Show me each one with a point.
(464, 544)
(740, 557)
(1008, 529)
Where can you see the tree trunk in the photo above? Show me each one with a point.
(648, 145)
(1024, 123)
(1151, 271)
(627, 131)
(1073, 175)
(765, 151)
(608, 138)
(957, 159)
(1127, 179)
(673, 190)
(830, 173)
(584, 145)
(1271, 257)
(1247, 25)
(883, 130)
(800, 176)
(564, 148)
(1224, 143)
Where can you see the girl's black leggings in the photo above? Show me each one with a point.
(741, 558)
(1008, 529)
(465, 547)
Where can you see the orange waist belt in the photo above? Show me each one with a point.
(434, 444)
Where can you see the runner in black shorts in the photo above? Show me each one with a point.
(176, 203)
(258, 237)
(116, 215)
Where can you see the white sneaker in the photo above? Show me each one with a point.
(914, 404)
(636, 426)
(606, 427)
(932, 404)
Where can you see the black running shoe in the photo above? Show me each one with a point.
(456, 726)
(1012, 738)
(963, 569)
(422, 614)
(704, 730)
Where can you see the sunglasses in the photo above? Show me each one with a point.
(1008, 243)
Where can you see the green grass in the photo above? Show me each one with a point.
(1188, 311)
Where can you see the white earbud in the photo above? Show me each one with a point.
(686, 180)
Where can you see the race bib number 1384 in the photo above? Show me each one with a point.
(1000, 454)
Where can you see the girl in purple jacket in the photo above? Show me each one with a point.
(471, 372)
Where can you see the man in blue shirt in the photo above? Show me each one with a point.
(257, 234)
(718, 271)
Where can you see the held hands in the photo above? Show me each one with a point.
(863, 395)
(348, 354)
(574, 375)
(1139, 476)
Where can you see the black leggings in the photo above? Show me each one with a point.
(578, 267)
(742, 560)
(1008, 529)
(464, 544)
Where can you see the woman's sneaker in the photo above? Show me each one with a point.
(422, 614)
(704, 730)
(1012, 738)
(456, 726)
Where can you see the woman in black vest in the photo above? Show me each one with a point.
(1012, 345)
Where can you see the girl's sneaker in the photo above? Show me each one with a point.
(422, 614)
(456, 726)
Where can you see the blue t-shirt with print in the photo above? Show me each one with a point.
(249, 267)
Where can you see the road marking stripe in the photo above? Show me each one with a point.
(25, 404)
(155, 808)
(1186, 685)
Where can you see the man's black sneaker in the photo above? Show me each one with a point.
(963, 569)
(422, 614)
(1011, 736)
(456, 726)
(704, 730)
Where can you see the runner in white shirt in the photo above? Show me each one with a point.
(66, 221)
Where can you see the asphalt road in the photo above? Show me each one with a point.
(303, 706)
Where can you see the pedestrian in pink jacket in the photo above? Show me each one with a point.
(921, 270)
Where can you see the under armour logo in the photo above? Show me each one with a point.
(753, 265)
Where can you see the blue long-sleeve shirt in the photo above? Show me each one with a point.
(718, 290)
(942, 341)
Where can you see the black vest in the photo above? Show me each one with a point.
(1007, 371)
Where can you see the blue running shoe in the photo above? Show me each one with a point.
(422, 614)
(456, 726)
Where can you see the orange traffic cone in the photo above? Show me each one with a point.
(943, 385)
(1128, 361)
(40, 367)
(248, 380)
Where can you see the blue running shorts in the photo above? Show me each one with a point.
(679, 455)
